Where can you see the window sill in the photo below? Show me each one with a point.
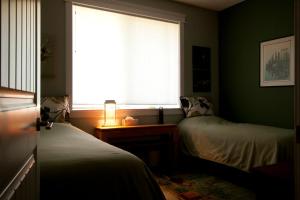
(123, 112)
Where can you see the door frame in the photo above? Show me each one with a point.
(19, 101)
(297, 97)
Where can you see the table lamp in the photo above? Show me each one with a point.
(109, 113)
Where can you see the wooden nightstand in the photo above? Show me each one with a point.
(142, 139)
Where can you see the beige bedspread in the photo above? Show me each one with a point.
(238, 145)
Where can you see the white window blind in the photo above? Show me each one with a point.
(133, 60)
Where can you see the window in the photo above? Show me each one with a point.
(133, 60)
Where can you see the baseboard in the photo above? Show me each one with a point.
(23, 185)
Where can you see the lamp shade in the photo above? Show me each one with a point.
(110, 113)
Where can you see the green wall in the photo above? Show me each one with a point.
(242, 28)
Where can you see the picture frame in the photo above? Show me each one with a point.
(201, 65)
(277, 62)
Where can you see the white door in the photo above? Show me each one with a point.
(19, 98)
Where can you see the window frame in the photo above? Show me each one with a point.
(123, 8)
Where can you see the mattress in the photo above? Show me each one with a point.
(239, 145)
(76, 165)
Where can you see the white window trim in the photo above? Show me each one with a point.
(125, 8)
(131, 9)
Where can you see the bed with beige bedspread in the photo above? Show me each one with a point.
(239, 145)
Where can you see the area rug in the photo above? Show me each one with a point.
(201, 186)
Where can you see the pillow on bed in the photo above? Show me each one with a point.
(195, 106)
(55, 108)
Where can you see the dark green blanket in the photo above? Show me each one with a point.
(76, 165)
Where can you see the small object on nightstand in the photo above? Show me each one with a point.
(129, 121)
(161, 115)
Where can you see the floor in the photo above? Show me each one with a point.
(169, 194)
(241, 179)
(190, 166)
(198, 186)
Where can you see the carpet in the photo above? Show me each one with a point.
(201, 186)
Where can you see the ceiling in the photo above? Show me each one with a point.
(216, 5)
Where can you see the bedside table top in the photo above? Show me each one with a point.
(135, 127)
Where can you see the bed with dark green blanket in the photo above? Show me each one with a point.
(76, 165)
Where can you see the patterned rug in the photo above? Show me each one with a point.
(197, 186)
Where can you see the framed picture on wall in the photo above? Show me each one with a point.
(277, 62)
(201, 69)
